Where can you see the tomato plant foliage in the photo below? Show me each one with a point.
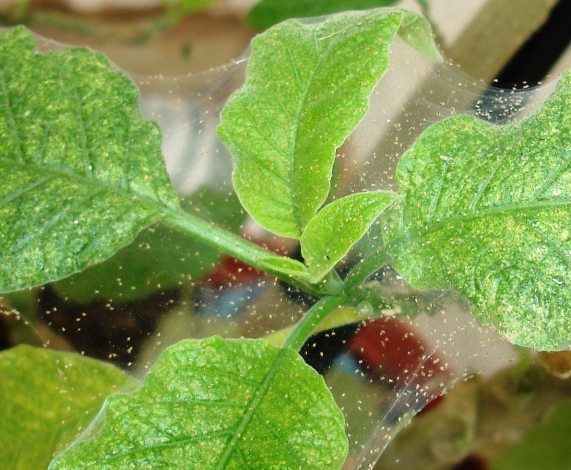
(48, 398)
(77, 160)
(480, 209)
(178, 419)
(484, 211)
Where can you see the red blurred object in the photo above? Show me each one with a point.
(390, 348)
(232, 271)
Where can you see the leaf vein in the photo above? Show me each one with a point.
(293, 64)
(261, 132)
(188, 440)
(552, 177)
(14, 131)
(40, 231)
(436, 198)
(292, 160)
(256, 400)
(66, 81)
(554, 246)
(16, 194)
(97, 184)
(500, 211)
(486, 183)
(282, 444)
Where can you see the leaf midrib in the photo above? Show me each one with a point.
(10, 115)
(296, 128)
(163, 445)
(492, 212)
(322, 57)
(96, 183)
(251, 408)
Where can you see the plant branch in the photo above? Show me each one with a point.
(311, 319)
(363, 271)
(242, 249)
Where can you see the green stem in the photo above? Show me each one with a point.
(313, 317)
(363, 271)
(246, 251)
(332, 284)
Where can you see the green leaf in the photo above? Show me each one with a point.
(48, 398)
(160, 258)
(82, 173)
(176, 10)
(486, 211)
(416, 31)
(545, 445)
(267, 13)
(307, 88)
(218, 404)
(288, 266)
(330, 235)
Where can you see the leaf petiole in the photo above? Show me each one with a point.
(311, 319)
(363, 271)
(291, 271)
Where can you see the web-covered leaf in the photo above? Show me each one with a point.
(307, 88)
(337, 227)
(159, 258)
(48, 398)
(486, 211)
(267, 13)
(218, 404)
(82, 172)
